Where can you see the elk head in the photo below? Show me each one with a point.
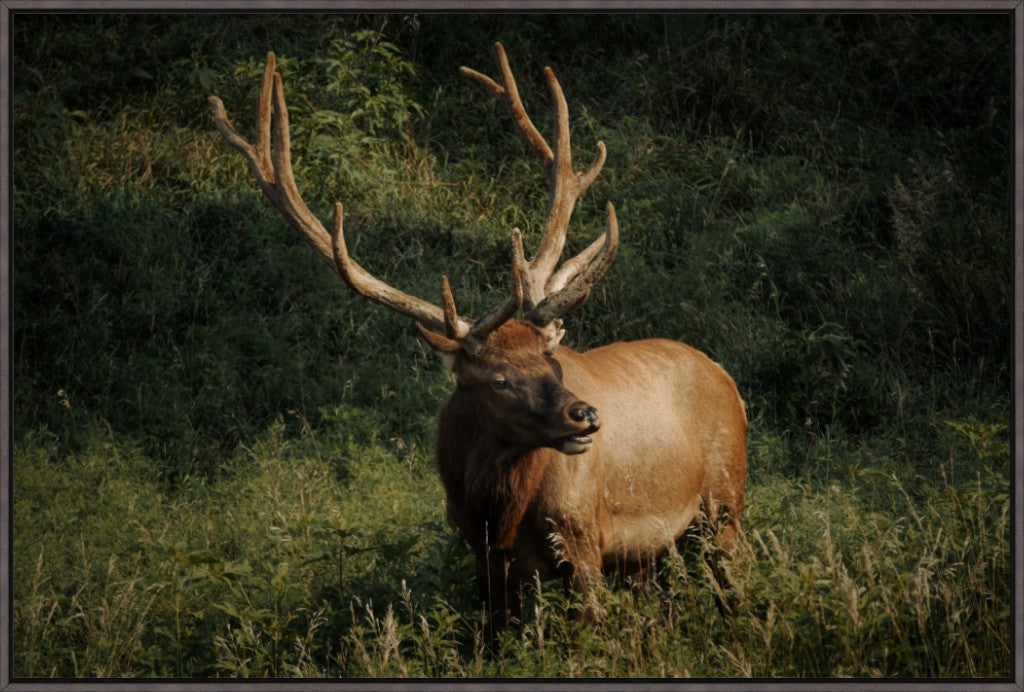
(507, 363)
(518, 386)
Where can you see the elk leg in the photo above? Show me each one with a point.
(500, 593)
(643, 577)
(719, 534)
(725, 595)
(580, 568)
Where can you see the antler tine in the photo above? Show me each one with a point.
(566, 186)
(263, 118)
(499, 314)
(509, 95)
(270, 161)
(570, 268)
(577, 275)
(581, 274)
(453, 327)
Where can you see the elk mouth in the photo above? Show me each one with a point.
(574, 444)
(577, 443)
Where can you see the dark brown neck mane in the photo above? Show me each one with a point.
(498, 480)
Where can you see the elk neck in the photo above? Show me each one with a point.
(498, 479)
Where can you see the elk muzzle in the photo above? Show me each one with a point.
(582, 414)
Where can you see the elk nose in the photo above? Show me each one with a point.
(582, 412)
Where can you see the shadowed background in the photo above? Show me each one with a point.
(223, 459)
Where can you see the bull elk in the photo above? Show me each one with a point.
(554, 463)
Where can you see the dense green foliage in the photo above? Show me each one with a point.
(223, 459)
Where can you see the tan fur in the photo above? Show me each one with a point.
(672, 442)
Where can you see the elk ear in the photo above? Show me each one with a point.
(552, 334)
(442, 345)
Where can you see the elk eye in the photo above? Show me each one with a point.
(500, 383)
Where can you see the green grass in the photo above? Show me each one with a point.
(223, 459)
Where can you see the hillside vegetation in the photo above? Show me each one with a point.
(223, 459)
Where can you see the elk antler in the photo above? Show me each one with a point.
(270, 161)
(549, 294)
